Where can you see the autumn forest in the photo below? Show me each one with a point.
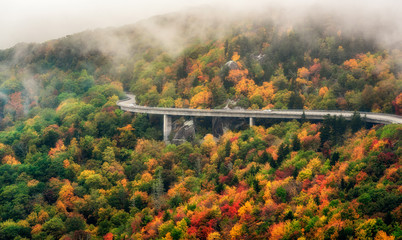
(75, 166)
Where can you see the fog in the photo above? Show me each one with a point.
(41, 20)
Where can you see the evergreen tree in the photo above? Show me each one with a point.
(295, 101)
(157, 189)
(295, 143)
(182, 69)
(334, 158)
(303, 117)
(226, 45)
(283, 151)
(356, 122)
(266, 158)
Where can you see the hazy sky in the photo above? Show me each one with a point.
(41, 20)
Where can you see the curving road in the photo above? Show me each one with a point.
(131, 106)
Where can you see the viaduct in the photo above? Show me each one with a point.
(130, 105)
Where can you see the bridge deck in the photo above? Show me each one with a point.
(130, 106)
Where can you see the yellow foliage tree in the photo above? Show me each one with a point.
(43, 216)
(246, 87)
(235, 75)
(351, 64)
(214, 236)
(66, 195)
(36, 229)
(303, 72)
(128, 127)
(235, 232)
(202, 99)
(246, 208)
(277, 231)
(8, 159)
(235, 57)
(208, 146)
(57, 149)
(381, 235)
(178, 103)
(323, 91)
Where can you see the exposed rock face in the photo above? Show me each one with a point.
(220, 125)
(232, 65)
(231, 104)
(260, 57)
(183, 131)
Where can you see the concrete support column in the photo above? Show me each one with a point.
(167, 127)
(251, 122)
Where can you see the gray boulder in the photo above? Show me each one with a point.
(183, 131)
(232, 65)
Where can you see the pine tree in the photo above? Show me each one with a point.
(334, 158)
(182, 70)
(157, 189)
(356, 122)
(303, 117)
(283, 151)
(295, 143)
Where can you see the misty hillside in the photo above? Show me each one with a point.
(75, 166)
(170, 33)
(310, 64)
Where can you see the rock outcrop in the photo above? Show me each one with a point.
(232, 65)
(220, 125)
(183, 131)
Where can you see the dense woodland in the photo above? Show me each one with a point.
(74, 166)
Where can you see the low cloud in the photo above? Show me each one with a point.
(37, 21)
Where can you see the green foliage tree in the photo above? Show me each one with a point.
(295, 143)
(12, 230)
(74, 223)
(54, 227)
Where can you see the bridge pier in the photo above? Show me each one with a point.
(251, 121)
(167, 127)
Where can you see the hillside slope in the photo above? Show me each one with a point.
(201, 60)
(74, 166)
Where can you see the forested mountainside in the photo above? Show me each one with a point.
(167, 61)
(74, 166)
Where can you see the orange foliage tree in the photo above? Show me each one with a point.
(202, 99)
(15, 105)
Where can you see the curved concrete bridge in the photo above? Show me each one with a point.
(131, 106)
